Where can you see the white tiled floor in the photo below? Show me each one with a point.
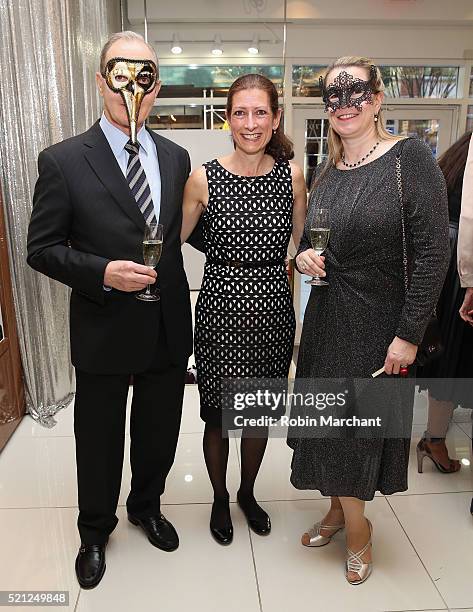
(423, 539)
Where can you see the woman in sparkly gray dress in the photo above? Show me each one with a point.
(364, 320)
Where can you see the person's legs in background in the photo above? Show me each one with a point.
(432, 444)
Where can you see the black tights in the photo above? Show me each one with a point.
(253, 445)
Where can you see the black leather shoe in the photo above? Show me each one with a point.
(160, 532)
(256, 517)
(222, 531)
(223, 535)
(90, 565)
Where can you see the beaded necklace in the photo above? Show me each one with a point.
(361, 160)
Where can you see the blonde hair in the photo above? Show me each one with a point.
(335, 146)
(125, 35)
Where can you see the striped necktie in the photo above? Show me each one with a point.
(138, 183)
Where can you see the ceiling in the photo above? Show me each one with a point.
(306, 23)
(295, 11)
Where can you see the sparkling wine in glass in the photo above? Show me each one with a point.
(319, 235)
(152, 248)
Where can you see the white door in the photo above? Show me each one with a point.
(436, 125)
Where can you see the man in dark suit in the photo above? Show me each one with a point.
(86, 231)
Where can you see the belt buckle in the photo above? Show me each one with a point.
(235, 263)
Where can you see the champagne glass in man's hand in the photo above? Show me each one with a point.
(152, 248)
(319, 235)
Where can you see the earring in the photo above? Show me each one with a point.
(274, 131)
(376, 117)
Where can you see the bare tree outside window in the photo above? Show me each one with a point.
(420, 81)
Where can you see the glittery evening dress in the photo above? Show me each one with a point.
(349, 324)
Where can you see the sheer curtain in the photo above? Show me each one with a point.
(49, 54)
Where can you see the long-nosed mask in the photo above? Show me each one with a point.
(133, 79)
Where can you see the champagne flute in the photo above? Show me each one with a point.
(152, 248)
(319, 235)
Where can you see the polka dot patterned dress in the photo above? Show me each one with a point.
(245, 320)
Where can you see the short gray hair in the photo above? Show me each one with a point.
(126, 35)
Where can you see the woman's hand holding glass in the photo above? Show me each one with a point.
(309, 262)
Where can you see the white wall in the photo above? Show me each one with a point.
(196, 40)
(321, 10)
(206, 10)
(374, 10)
(317, 30)
(202, 147)
(381, 42)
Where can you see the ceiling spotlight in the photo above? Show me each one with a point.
(254, 45)
(217, 46)
(175, 45)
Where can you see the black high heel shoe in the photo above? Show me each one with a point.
(221, 530)
(424, 449)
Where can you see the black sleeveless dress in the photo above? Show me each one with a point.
(245, 321)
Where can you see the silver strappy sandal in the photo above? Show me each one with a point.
(355, 563)
(316, 539)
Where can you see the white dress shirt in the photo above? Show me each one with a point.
(147, 153)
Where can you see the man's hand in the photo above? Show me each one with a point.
(128, 276)
(400, 353)
(310, 263)
(466, 310)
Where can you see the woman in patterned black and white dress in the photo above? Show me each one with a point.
(250, 202)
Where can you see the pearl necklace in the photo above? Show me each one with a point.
(361, 160)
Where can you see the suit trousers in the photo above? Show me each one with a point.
(99, 428)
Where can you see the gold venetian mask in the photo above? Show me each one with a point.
(133, 79)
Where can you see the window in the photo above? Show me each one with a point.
(420, 81)
(195, 81)
(400, 81)
(305, 80)
(316, 131)
(187, 116)
(425, 129)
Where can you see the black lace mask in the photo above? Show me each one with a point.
(346, 91)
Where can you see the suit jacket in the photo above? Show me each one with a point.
(84, 216)
(465, 230)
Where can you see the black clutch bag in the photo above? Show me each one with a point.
(431, 346)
